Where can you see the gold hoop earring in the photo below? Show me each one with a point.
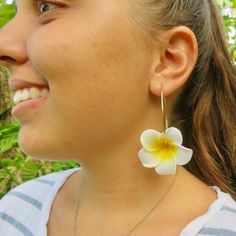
(163, 151)
(163, 110)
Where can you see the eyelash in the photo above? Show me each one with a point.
(37, 4)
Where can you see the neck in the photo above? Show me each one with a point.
(119, 179)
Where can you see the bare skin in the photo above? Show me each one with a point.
(105, 83)
(187, 199)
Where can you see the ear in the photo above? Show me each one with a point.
(174, 60)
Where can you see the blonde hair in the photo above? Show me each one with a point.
(206, 109)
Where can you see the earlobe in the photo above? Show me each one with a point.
(176, 61)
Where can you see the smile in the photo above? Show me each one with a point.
(29, 93)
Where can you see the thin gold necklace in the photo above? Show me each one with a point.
(139, 222)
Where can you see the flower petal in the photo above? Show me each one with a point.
(148, 159)
(166, 167)
(183, 156)
(149, 138)
(175, 135)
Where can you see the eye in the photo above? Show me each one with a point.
(44, 6)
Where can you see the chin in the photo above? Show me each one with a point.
(32, 145)
(38, 149)
(30, 150)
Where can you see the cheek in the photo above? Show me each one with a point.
(63, 48)
(89, 63)
(97, 80)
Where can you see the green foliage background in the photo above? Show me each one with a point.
(16, 167)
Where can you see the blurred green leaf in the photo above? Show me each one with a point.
(8, 136)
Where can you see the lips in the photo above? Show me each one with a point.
(25, 108)
(17, 84)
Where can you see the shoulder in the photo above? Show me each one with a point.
(38, 187)
(220, 219)
(224, 220)
(26, 205)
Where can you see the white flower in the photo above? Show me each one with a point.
(163, 151)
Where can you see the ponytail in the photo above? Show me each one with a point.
(206, 110)
(210, 125)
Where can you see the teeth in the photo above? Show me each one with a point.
(17, 96)
(25, 95)
(44, 92)
(34, 93)
(29, 93)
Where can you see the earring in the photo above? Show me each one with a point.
(163, 151)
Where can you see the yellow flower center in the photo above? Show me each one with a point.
(165, 148)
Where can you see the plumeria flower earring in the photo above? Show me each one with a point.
(163, 151)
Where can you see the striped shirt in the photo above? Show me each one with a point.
(25, 210)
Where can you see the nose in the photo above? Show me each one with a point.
(12, 44)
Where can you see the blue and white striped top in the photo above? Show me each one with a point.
(25, 210)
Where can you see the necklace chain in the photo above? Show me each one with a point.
(152, 209)
(139, 222)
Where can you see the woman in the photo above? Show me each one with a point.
(92, 78)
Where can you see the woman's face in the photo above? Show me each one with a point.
(96, 65)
